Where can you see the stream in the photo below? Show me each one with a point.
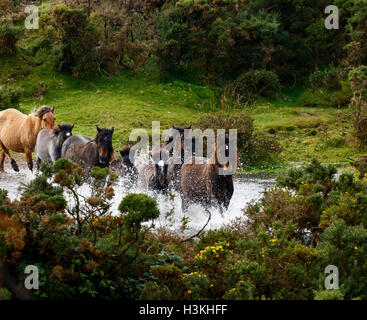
(246, 189)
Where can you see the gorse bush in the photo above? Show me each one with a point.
(74, 50)
(9, 97)
(254, 148)
(9, 35)
(358, 105)
(327, 78)
(257, 82)
(278, 250)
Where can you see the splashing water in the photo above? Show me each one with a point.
(245, 190)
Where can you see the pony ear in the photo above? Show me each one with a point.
(57, 129)
(112, 129)
(53, 109)
(72, 126)
(98, 129)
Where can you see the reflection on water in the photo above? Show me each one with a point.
(246, 189)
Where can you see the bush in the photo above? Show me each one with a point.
(254, 148)
(261, 150)
(75, 50)
(212, 39)
(278, 250)
(225, 120)
(9, 35)
(327, 78)
(358, 79)
(257, 82)
(5, 294)
(9, 97)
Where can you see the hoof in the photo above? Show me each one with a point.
(14, 165)
(30, 166)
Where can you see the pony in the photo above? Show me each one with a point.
(176, 139)
(123, 166)
(202, 182)
(49, 143)
(18, 132)
(90, 152)
(154, 175)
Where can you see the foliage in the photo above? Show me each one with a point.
(327, 78)
(257, 82)
(9, 35)
(9, 97)
(278, 250)
(253, 147)
(358, 78)
(75, 47)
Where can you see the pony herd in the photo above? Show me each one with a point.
(198, 180)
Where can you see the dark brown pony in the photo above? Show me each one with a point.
(176, 139)
(201, 182)
(90, 152)
(123, 166)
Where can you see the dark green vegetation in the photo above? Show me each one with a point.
(279, 249)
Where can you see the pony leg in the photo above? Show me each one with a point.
(38, 164)
(6, 153)
(28, 156)
(2, 158)
(184, 204)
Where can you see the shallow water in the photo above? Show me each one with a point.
(246, 189)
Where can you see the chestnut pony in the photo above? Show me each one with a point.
(18, 132)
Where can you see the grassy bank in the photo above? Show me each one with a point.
(129, 101)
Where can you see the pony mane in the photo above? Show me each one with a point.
(42, 111)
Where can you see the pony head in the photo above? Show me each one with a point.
(47, 117)
(104, 145)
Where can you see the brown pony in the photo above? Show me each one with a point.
(18, 132)
(90, 152)
(202, 182)
(176, 139)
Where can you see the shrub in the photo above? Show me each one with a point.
(140, 208)
(253, 148)
(345, 247)
(225, 120)
(327, 78)
(9, 97)
(212, 39)
(257, 82)
(358, 78)
(278, 250)
(75, 50)
(9, 35)
(329, 295)
(261, 150)
(5, 294)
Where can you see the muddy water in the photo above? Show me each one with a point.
(246, 189)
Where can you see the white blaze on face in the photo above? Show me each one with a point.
(161, 163)
(68, 134)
